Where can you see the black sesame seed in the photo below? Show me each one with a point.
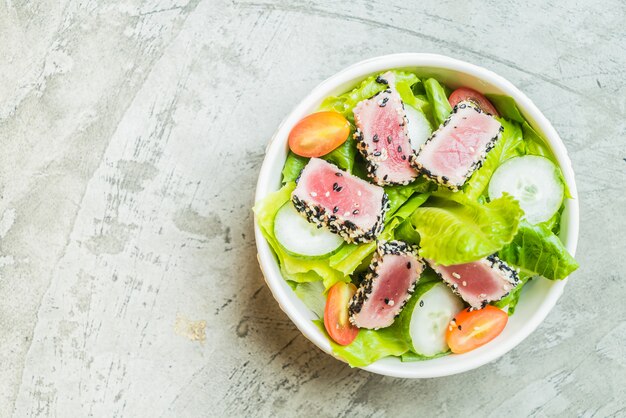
(375, 138)
(421, 303)
(377, 154)
(355, 212)
(408, 265)
(338, 174)
(404, 157)
(340, 188)
(335, 185)
(460, 328)
(389, 139)
(336, 209)
(385, 176)
(387, 301)
(384, 102)
(399, 148)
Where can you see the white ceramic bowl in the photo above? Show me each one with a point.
(538, 297)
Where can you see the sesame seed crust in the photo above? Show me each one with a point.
(336, 222)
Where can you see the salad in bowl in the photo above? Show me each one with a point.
(411, 214)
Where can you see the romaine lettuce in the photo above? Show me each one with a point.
(438, 100)
(370, 345)
(346, 102)
(537, 250)
(455, 230)
(293, 166)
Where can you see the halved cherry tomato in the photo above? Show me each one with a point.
(465, 93)
(471, 329)
(318, 134)
(336, 319)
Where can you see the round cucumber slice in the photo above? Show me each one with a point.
(418, 127)
(534, 181)
(301, 238)
(431, 316)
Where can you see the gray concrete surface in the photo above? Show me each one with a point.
(131, 135)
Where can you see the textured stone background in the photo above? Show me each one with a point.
(131, 135)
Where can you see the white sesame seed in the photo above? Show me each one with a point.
(472, 149)
(391, 302)
(313, 194)
(358, 192)
(327, 194)
(456, 275)
(464, 283)
(482, 296)
(346, 214)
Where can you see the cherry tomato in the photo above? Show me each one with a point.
(318, 134)
(336, 319)
(465, 93)
(472, 329)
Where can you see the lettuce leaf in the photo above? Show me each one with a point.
(343, 156)
(346, 102)
(370, 345)
(398, 195)
(510, 145)
(438, 99)
(293, 268)
(350, 256)
(293, 166)
(455, 230)
(506, 107)
(537, 250)
(312, 294)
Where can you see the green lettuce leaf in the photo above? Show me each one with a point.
(312, 294)
(455, 230)
(438, 99)
(370, 345)
(293, 166)
(398, 195)
(506, 107)
(350, 256)
(510, 145)
(293, 268)
(343, 156)
(537, 250)
(346, 102)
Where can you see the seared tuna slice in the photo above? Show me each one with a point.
(459, 146)
(392, 275)
(382, 136)
(345, 204)
(479, 282)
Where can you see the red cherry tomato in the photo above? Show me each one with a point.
(318, 134)
(465, 93)
(336, 319)
(472, 329)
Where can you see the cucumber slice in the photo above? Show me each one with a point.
(534, 181)
(430, 317)
(418, 127)
(300, 238)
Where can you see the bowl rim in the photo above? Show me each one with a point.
(355, 73)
